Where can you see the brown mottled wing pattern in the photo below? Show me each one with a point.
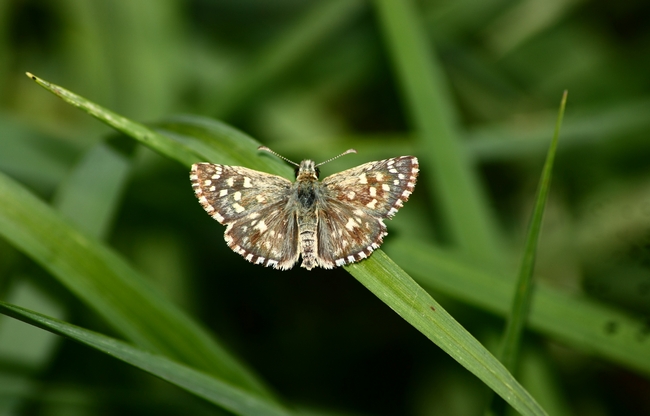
(253, 206)
(350, 221)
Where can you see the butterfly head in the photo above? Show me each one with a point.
(307, 171)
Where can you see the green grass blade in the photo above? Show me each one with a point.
(573, 320)
(89, 198)
(516, 322)
(511, 341)
(428, 101)
(218, 142)
(111, 287)
(394, 287)
(138, 131)
(214, 390)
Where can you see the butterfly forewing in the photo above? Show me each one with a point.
(253, 205)
(379, 188)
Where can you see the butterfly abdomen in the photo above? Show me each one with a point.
(307, 236)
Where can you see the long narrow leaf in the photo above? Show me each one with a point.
(511, 340)
(427, 97)
(196, 382)
(146, 136)
(521, 303)
(574, 320)
(109, 286)
(394, 287)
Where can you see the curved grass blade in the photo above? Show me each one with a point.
(511, 341)
(395, 288)
(212, 389)
(576, 321)
(107, 284)
(463, 203)
(521, 303)
(218, 142)
(138, 131)
(88, 197)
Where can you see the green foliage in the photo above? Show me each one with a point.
(94, 222)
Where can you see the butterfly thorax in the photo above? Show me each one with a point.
(307, 184)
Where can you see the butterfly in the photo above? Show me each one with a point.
(273, 222)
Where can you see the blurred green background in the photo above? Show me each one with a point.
(311, 79)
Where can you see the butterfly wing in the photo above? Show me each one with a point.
(350, 221)
(253, 206)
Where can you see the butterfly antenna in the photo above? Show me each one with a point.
(266, 149)
(336, 157)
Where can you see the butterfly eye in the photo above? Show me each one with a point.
(317, 172)
(296, 171)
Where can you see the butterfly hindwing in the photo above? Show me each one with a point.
(346, 234)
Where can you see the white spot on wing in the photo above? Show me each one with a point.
(351, 224)
(238, 208)
(223, 192)
(230, 182)
(385, 187)
(247, 182)
(373, 191)
(261, 226)
(372, 204)
(237, 196)
(362, 179)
